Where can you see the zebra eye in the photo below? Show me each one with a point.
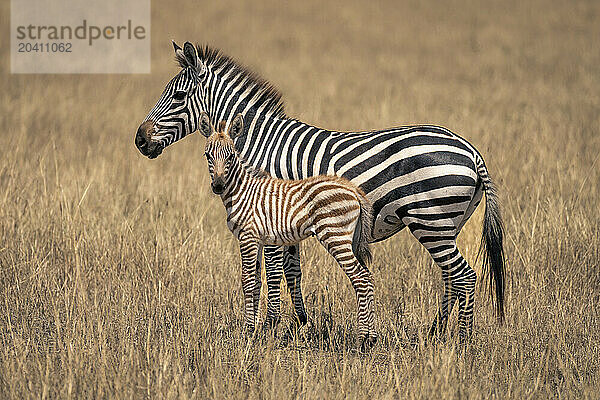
(179, 95)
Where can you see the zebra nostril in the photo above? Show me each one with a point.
(143, 135)
(140, 141)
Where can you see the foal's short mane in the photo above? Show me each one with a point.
(269, 96)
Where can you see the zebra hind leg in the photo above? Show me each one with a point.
(440, 323)
(459, 283)
(465, 288)
(340, 248)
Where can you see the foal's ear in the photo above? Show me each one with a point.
(204, 126)
(237, 126)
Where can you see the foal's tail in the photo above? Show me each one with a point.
(491, 240)
(360, 240)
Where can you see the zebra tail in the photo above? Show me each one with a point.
(360, 239)
(491, 241)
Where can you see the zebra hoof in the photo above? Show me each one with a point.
(464, 338)
(297, 332)
(269, 328)
(290, 335)
(248, 332)
(367, 343)
(302, 320)
(436, 338)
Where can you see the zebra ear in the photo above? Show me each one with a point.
(190, 55)
(179, 56)
(237, 126)
(175, 46)
(204, 126)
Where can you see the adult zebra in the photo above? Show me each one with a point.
(424, 177)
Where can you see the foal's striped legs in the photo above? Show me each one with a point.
(249, 251)
(257, 283)
(274, 263)
(275, 258)
(293, 278)
(338, 242)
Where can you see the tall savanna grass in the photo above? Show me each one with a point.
(119, 278)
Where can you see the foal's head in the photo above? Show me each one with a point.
(219, 149)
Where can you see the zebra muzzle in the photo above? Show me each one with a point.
(144, 143)
(217, 186)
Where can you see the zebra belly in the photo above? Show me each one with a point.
(280, 237)
(274, 226)
(434, 205)
(434, 210)
(431, 174)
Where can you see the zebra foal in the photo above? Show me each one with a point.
(262, 210)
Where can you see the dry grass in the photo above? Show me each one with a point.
(118, 277)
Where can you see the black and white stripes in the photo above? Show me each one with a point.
(422, 177)
(262, 210)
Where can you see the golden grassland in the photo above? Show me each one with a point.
(119, 279)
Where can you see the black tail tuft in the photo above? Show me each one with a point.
(491, 243)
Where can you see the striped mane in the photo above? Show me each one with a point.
(268, 95)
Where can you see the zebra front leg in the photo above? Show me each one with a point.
(249, 250)
(273, 272)
(257, 283)
(293, 277)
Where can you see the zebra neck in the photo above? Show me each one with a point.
(223, 104)
(238, 180)
(279, 145)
